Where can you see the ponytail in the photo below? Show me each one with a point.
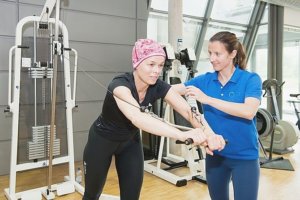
(240, 58)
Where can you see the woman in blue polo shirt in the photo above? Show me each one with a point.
(230, 96)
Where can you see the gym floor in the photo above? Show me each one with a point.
(274, 184)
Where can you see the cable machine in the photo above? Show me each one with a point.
(192, 157)
(41, 97)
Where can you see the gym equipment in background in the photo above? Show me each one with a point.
(42, 125)
(285, 134)
(264, 122)
(274, 133)
(294, 102)
(192, 158)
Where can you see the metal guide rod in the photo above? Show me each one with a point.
(53, 102)
(34, 61)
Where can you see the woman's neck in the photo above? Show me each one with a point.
(141, 87)
(225, 75)
(139, 83)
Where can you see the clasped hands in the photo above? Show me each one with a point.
(210, 141)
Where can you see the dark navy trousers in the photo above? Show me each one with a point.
(244, 175)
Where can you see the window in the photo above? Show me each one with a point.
(236, 11)
(291, 70)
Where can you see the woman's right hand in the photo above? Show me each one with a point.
(210, 142)
(197, 135)
(214, 142)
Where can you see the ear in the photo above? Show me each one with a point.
(233, 54)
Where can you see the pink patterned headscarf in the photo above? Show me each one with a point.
(145, 48)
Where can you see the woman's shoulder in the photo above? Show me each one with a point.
(251, 77)
(250, 73)
(121, 80)
(125, 76)
(160, 84)
(206, 76)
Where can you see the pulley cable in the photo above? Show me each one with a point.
(144, 109)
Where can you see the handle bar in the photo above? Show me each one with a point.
(295, 95)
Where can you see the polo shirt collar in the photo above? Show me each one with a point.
(235, 77)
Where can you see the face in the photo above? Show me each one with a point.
(219, 57)
(149, 70)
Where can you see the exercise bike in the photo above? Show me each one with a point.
(293, 102)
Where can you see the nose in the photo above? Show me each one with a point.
(211, 57)
(157, 69)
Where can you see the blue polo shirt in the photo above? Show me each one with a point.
(241, 133)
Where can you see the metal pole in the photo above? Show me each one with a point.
(175, 35)
(34, 61)
(53, 102)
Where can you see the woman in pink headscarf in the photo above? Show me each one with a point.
(116, 131)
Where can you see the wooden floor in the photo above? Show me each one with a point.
(274, 184)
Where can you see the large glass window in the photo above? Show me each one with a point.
(157, 27)
(291, 70)
(258, 60)
(265, 17)
(191, 29)
(160, 5)
(194, 7)
(226, 15)
(237, 11)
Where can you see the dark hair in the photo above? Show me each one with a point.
(231, 43)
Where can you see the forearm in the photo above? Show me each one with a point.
(246, 109)
(242, 110)
(200, 122)
(197, 120)
(179, 88)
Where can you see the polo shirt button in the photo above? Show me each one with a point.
(221, 87)
(222, 94)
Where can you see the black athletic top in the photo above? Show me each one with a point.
(112, 123)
